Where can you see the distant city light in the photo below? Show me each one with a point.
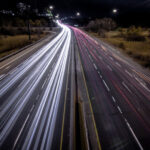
(57, 16)
(9, 12)
(76, 25)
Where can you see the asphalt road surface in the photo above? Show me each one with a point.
(32, 97)
(119, 91)
(38, 97)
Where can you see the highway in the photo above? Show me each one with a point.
(119, 93)
(40, 97)
(33, 95)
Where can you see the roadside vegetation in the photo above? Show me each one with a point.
(134, 41)
(10, 44)
(21, 28)
(14, 38)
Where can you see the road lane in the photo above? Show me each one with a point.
(115, 103)
(31, 97)
(38, 97)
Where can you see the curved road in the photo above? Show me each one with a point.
(32, 97)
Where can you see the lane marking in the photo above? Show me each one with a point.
(95, 66)
(106, 85)
(104, 48)
(126, 87)
(109, 67)
(22, 82)
(111, 58)
(100, 57)
(128, 73)
(96, 131)
(99, 74)
(136, 139)
(143, 76)
(12, 71)
(44, 83)
(20, 131)
(118, 64)
(119, 109)
(2, 76)
(53, 65)
(32, 108)
(143, 85)
(90, 58)
(64, 110)
(37, 97)
(7, 67)
(113, 99)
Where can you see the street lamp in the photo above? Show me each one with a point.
(51, 7)
(78, 14)
(114, 11)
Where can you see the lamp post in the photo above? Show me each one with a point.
(51, 7)
(115, 11)
(77, 14)
(50, 14)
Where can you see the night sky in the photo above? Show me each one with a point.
(136, 11)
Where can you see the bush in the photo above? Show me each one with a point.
(10, 42)
(18, 22)
(7, 31)
(149, 33)
(122, 32)
(135, 37)
(32, 23)
(130, 53)
(44, 22)
(102, 33)
(13, 31)
(134, 34)
(92, 27)
(101, 24)
(121, 45)
(22, 30)
(37, 23)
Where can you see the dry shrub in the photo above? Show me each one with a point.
(122, 45)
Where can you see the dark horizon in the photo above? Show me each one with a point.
(134, 12)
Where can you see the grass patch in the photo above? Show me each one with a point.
(139, 50)
(10, 44)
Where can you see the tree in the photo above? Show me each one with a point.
(37, 23)
(22, 7)
(18, 22)
(24, 10)
(31, 23)
(102, 24)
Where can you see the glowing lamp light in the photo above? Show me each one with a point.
(115, 11)
(78, 14)
(51, 7)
